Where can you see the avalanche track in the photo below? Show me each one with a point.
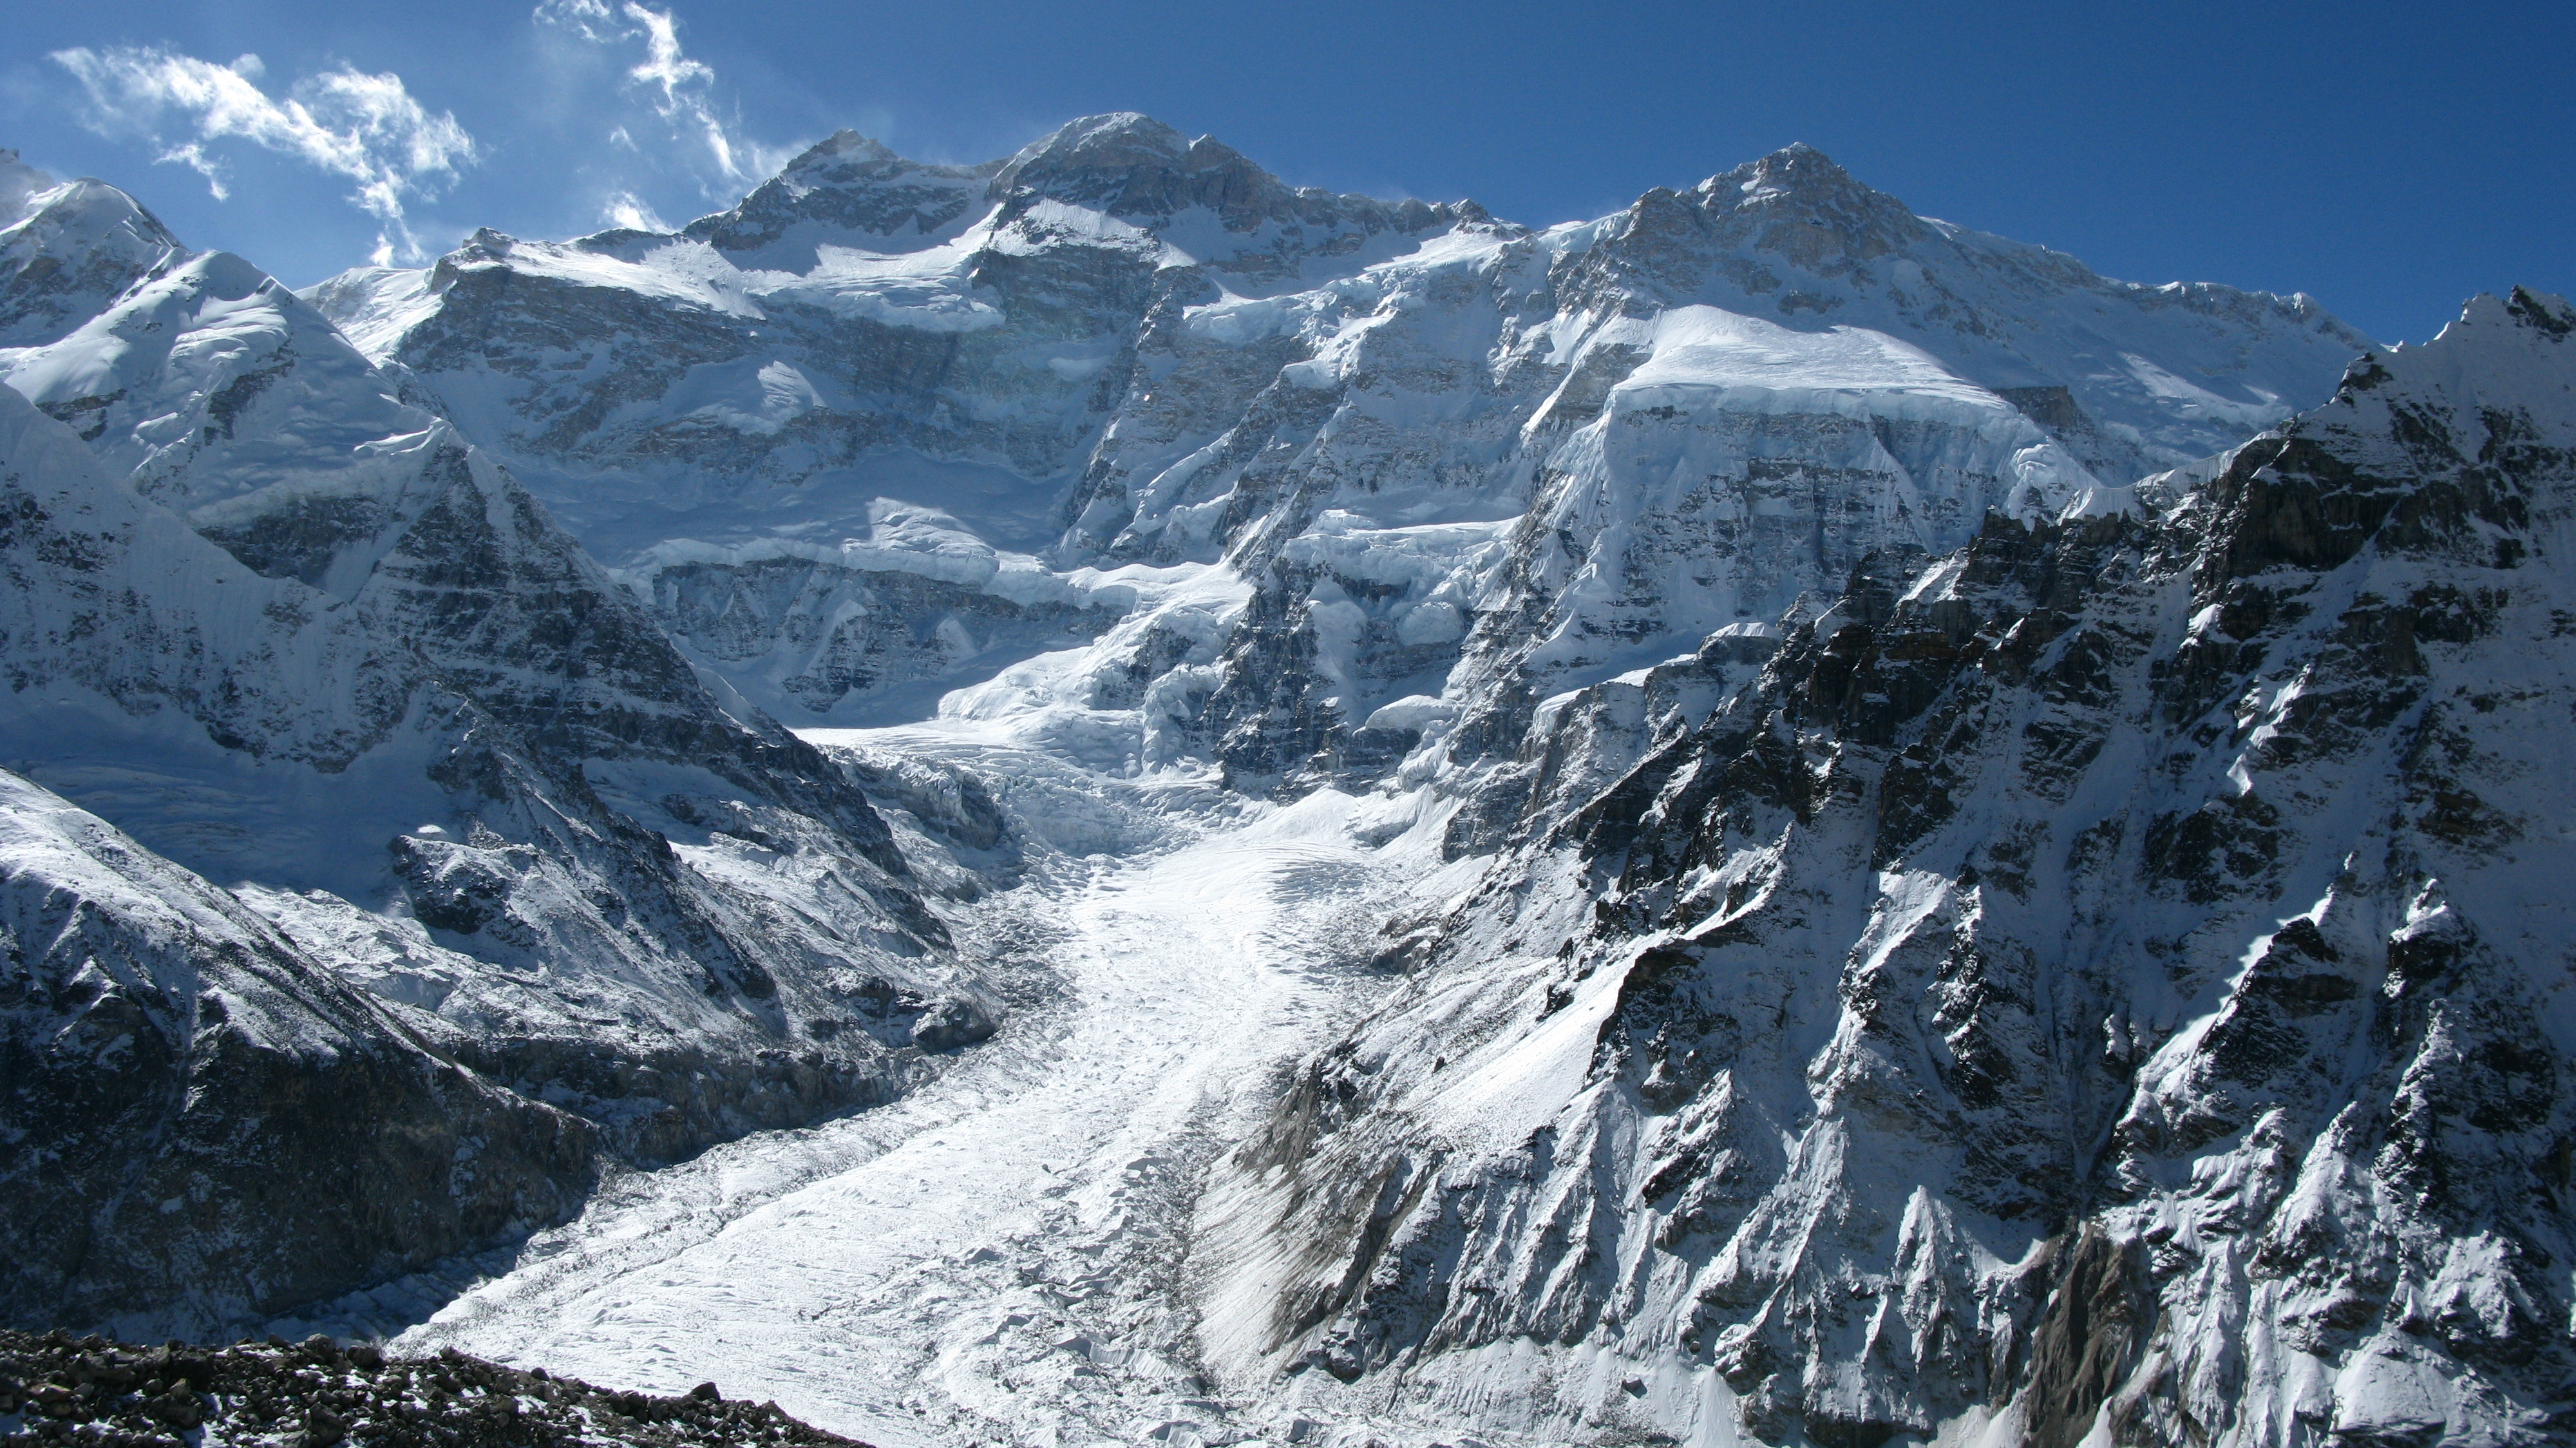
(997, 1258)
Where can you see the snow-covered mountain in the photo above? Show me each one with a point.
(885, 423)
(2103, 983)
(292, 634)
(1971, 848)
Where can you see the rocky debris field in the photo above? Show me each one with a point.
(101, 1394)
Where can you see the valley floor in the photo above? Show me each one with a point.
(998, 1257)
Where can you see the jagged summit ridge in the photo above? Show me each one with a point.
(1126, 347)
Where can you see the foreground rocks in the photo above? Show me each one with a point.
(91, 1391)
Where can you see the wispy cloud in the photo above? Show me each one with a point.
(679, 88)
(631, 212)
(346, 122)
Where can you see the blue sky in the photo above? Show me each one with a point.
(2390, 159)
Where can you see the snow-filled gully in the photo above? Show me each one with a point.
(995, 1258)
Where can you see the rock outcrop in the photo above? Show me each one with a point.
(59, 1388)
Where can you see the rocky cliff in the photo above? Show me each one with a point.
(2102, 983)
(203, 1118)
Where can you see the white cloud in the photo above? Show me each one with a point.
(679, 87)
(664, 65)
(346, 122)
(592, 20)
(630, 211)
(194, 157)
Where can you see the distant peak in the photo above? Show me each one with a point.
(1130, 164)
(1122, 131)
(1117, 143)
(847, 183)
(846, 158)
(86, 208)
(845, 144)
(1795, 170)
(1803, 189)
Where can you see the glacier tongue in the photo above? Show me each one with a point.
(1001, 1256)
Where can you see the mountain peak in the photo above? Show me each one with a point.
(842, 148)
(2544, 312)
(2504, 353)
(845, 184)
(1797, 177)
(1133, 166)
(2521, 321)
(1795, 201)
(847, 159)
(1108, 138)
(67, 248)
(1128, 164)
(1795, 164)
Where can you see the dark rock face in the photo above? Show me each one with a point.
(832, 635)
(205, 1120)
(60, 1389)
(2108, 975)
